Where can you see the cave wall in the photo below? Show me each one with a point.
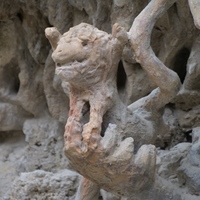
(34, 107)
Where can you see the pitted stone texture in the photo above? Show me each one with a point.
(188, 119)
(12, 148)
(44, 150)
(44, 185)
(169, 161)
(189, 171)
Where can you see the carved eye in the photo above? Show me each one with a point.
(58, 64)
(84, 42)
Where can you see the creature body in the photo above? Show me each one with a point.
(99, 141)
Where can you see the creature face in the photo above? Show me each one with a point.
(69, 50)
(84, 54)
(77, 53)
(69, 57)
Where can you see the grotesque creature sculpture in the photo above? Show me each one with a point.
(105, 141)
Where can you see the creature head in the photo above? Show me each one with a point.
(84, 53)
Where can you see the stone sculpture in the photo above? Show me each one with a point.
(112, 150)
(34, 107)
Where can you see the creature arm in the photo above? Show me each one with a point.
(140, 33)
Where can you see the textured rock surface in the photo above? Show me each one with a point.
(34, 106)
(44, 185)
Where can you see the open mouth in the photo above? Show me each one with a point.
(74, 66)
(79, 71)
(69, 70)
(65, 66)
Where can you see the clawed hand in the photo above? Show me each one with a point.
(110, 161)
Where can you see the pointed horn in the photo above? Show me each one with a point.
(53, 35)
(120, 33)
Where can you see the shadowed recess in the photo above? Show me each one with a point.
(180, 63)
(121, 76)
(10, 79)
(86, 113)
